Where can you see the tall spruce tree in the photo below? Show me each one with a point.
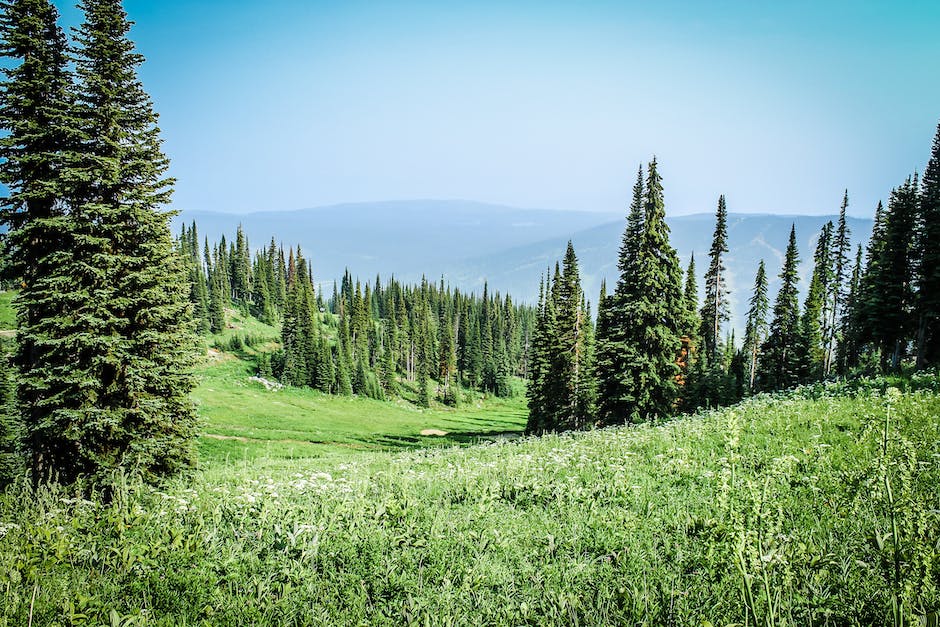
(637, 377)
(569, 363)
(39, 133)
(113, 388)
(537, 391)
(612, 350)
(755, 331)
(814, 331)
(715, 307)
(928, 279)
(838, 288)
(850, 321)
(780, 355)
(888, 295)
(688, 358)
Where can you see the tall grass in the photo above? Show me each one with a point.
(813, 508)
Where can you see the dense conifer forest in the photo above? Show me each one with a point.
(365, 339)
(659, 350)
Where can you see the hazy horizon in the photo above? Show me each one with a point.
(613, 213)
(303, 104)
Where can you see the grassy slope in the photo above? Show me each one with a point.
(244, 419)
(651, 525)
(305, 423)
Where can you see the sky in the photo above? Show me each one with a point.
(780, 106)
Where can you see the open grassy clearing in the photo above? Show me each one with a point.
(773, 512)
(245, 419)
(296, 422)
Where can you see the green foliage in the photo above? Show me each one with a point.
(639, 341)
(781, 363)
(104, 346)
(928, 253)
(776, 511)
(715, 307)
(886, 305)
(562, 387)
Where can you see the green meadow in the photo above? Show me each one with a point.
(815, 507)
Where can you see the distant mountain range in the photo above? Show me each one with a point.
(468, 243)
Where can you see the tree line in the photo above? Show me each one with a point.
(373, 339)
(658, 349)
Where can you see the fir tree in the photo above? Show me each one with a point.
(127, 345)
(780, 359)
(888, 293)
(538, 389)
(637, 377)
(816, 316)
(756, 329)
(840, 249)
(928, 276)
(849, 324)
(35, 158)
(569, 375)
(715, 308)
(612, 349)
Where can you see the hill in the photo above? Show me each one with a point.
(469, 243)
(818, 507)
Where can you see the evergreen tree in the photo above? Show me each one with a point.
(715, 308)
(888, 306)
(612, 349)
(849, 325)
(840, 249)
(814, 338)
(647, 317)
(569, 376)
(118, 368)
(928, 277)
(756, 329)
(423, 353)
(780, 360)
(690, 298)
(35, 159)
(216, 303)
(537, 392)
(199, 292)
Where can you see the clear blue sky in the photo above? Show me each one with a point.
(286, 104)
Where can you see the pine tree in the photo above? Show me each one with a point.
(840, 249)
(814, 332)
(569, 375)
(811, 356)
(850, 324)
(199, 292)
(780, 360)
(928, 278)
(690, 299)
(537, 391)
(756, 329)
(119, 368)
(637, 375)
(216, 303)
(888, 296)
(423, 353)
(715, 308)
(35, 161)
(614, 399)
